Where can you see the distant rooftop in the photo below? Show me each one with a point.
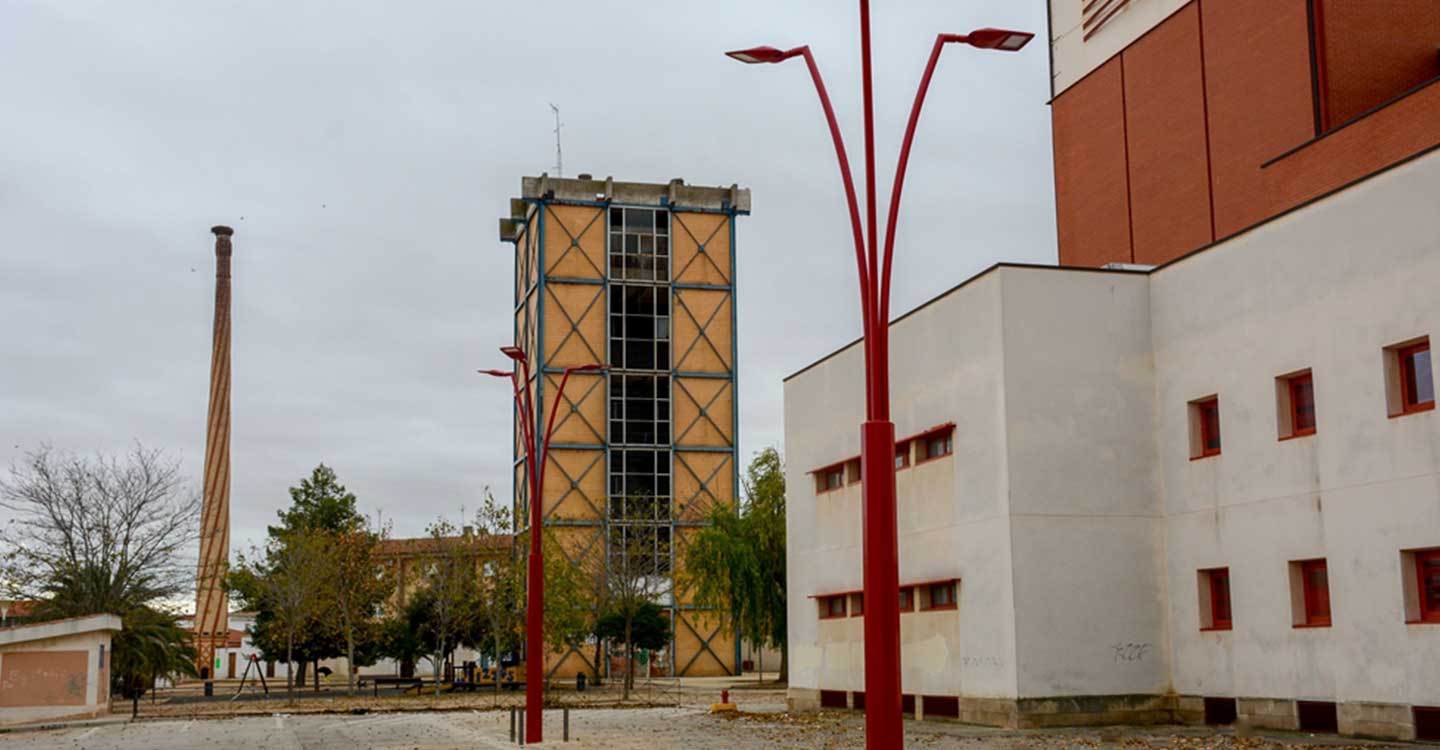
(585, 188)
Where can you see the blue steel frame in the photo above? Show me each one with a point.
(534, 232)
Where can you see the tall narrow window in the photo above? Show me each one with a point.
(1302, 405)
(639, 244)
(1417, 384)
(1218, 582)
(1428, 576)
(1315, 583)
(1205, 427)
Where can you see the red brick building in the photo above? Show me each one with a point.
(1179, 124)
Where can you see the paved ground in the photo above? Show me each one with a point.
(614, 729)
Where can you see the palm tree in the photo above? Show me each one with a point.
(152, 645)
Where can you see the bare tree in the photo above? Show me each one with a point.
(637, 580)
(286, 581)
(102, 534)
(444, 607)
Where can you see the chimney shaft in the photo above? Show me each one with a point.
(212, 606)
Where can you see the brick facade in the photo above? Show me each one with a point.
(1217, 121)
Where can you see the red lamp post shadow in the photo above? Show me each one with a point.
(535, 569)
(884, 727)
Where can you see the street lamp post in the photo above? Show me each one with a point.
(535, 575)
(884, 727)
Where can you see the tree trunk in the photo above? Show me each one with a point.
(629, 663)
(599, 654)
(497, 668)
(134, 704)
(760, 665)
(289, 670)
(439, 657)
(317, 675)
(349, 661)
(784, 663)
(302, 671)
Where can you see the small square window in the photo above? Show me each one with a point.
(902, 455)
(937, 444)
(1205, 427)
(829, 478)
(1215, 599)
(1417, 383)
(940, 596)
(852, 470)
(907, 599)
(1427, 576)
(832, 607)
(1295, 396)
(1409, 378)
(1310, 586)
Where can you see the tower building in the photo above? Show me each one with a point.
(638, 277)
(212, 608)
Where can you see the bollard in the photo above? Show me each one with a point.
(522, 725)
(512, 723)
(566, 714)
(724, 696)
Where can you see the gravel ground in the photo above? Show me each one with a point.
(762, 726)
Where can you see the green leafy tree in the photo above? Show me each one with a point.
(356, 585)
(151, 645)
(442, 610)
(737, 563)
(646, 627)
(498, 619)
(285, 583)
(319, 502)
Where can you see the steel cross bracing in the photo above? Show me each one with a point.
(537, 279)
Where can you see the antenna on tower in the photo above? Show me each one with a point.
(559, 162)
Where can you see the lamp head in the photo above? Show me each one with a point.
(998, 39)
(513, 352)
(756, 55)
(497, 373)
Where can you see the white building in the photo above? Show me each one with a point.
(1064, 489)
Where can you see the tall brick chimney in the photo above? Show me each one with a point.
(212, 606)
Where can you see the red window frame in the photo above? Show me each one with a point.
(946, 437)
(825, 474)
(1410, 400)
(828, 609)
(1317, 597)
(902, 455)
(1204, 408)
(1429, 612)
(1221, 615)
(948, 587)
(1295, 385)
(907, 599)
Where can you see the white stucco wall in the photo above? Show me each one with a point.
(87, 635)
(1327, 287)
(1071, 509)
(951, 511)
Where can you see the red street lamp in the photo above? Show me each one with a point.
(884, 727)
(535, 575)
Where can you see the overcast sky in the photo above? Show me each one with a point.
(363, 152)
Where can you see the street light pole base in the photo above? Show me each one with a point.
(884, 723)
